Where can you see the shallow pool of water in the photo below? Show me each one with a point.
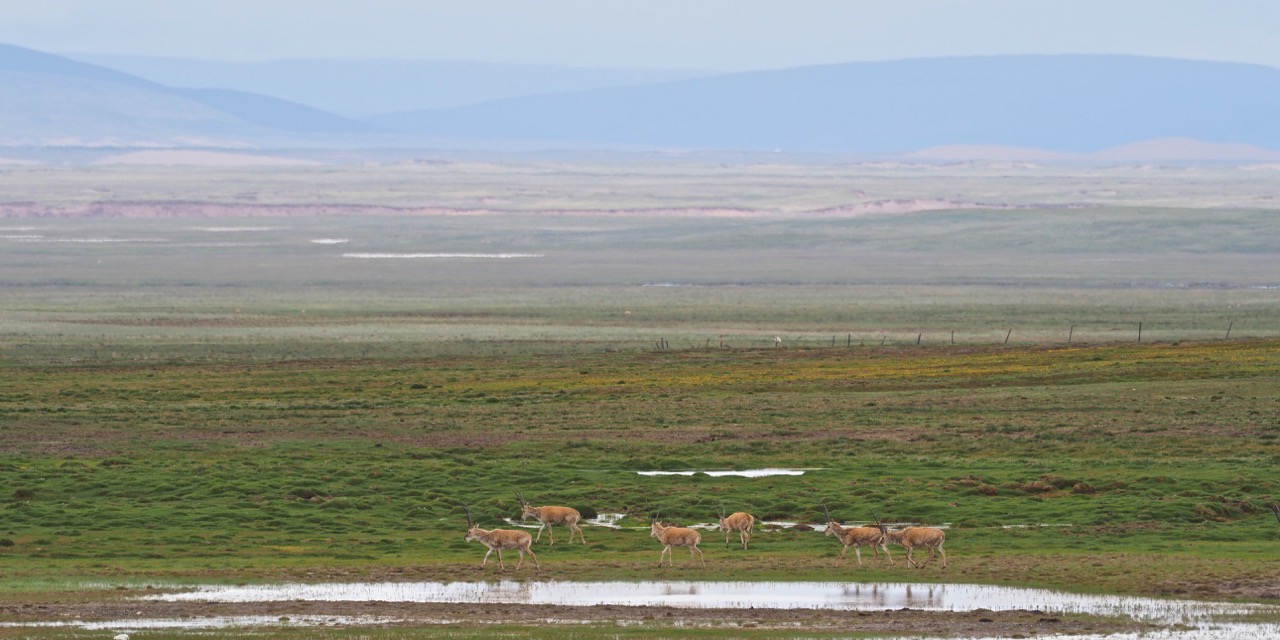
(746, 473)
(210, 622)
(493, 256)
(738, 595)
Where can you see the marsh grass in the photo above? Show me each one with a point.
(248, 405)
(358, 468)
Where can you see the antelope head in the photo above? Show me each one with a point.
(526, 509)
(655, 525)
(471, 526)
(831, 531)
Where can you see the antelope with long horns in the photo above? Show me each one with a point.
(856, 537)
(742, 522)
(499, 539)
(551, 516)
(675, 537)
(919, 538)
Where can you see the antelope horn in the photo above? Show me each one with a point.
(470, 522)
(520, 496)
(828, 513)
(879, 523)
(1276, 508)
(720, 510)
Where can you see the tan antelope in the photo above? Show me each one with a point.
(499, 539)
(742, 522)
(675, 537)
(874, 537)
(919, 538)
(550, 516)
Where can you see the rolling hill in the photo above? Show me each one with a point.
(49, 100)
(1066, 107)
(362, 88)
(1068, 103)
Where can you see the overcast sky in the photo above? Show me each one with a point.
(689, 34)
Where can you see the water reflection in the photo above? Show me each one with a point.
(211, 622)
(783, 595)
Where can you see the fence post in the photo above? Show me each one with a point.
(1006, 336)
(1229, 325)
(1071, 332)
(1139, 332)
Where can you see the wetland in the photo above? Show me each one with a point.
(1080, 392)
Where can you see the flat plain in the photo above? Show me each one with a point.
(303, 374)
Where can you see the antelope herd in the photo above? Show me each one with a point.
(877, 536)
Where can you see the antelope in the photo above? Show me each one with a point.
(742, 522)
(676, 537)
(552, 515)
(874, 537)
(499, 539)
(920, 537)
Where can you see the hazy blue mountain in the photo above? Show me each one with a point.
(51, 100)
(1066, 103)
(1064, 106)
(359, 88)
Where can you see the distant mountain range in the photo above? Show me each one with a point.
(362, 88)
(1028, 107)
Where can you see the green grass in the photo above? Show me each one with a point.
(223, 400)
(1129, 452)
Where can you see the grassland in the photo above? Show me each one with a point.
(187, 399)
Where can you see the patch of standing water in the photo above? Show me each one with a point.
(497, 256)
(746, 473)
(734, 595)
(212, 622)
(609, 520)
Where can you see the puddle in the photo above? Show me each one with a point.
(86, 240)
(609, 520)
(1198, 620)
(330, 240)
(734, 595)
(499, 256)
(212, 622)
(231, 229)
(746, 473)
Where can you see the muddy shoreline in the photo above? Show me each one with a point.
(977, 623)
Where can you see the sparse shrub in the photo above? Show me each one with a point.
(23, 494)
(988, 489)
(1083, 488)
(5, 542)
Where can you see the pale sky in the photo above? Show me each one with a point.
(720, 35)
